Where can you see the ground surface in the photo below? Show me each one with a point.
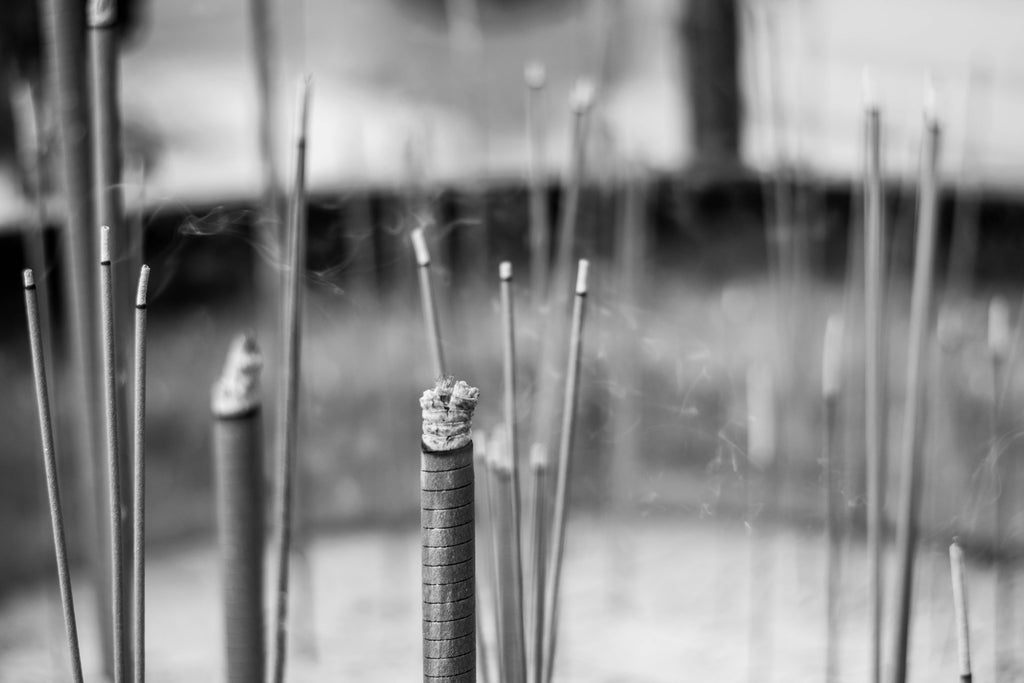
(652, 600)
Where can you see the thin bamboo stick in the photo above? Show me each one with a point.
(139, 488)
(535, 76)
(238, 466)
(564, 468)
(1005, 472)
(486, 586)
(52, 480)
(876, 408)
(497, 523)
(113, 458)
(963, 630)
(832, 367)
(287, 428)
(419, 244)
(910, 452)
(539, 523)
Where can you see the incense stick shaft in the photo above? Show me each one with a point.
(539, 557)
(539, 219)
(963, 632)
(52, 481)
(429, 303)
(832, 540)
(139, 483)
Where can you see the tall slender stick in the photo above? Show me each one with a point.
(511, 429)
(486, 587)
(238, 469)
(874, 368)
(910, 452)
(963, 630)
(496, 480)
(287, 428)
(113, 457)
(535, 76)
(564, 468)
(52, 481)
(831, 382)
(419, 244)
(139, 488)
(539, 558)
(1004, 470)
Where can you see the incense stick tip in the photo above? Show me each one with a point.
(583, 94)
(999, 329)
(105, 245)
(582, 272)
(535, 74)
(419, 245)
(868, 89)
(832, 357)
(237, 391)
(28, 278)
(505, 270)
(140, 295)
(931, 116)
(538, 456)
(448, 414)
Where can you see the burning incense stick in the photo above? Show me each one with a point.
(113, 456)
(448, 534)
(910, 453)
(831, 383)
(287, 428)
(539, 558)
(535, 77)
(52, 482)
(876, 408)
(238, 466)
(963, 631)
(139, 488)
(511, 419)
(564, 468)
(419, 244)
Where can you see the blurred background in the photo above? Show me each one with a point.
(721, 208)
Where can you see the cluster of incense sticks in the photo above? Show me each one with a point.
(123, 642)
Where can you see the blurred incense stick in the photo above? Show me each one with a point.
(52, 479)
(535, 77)
(560, 509)
(999, 339)
(287, 428)
(831, 373)
(910, 451)
(430, 319)
(139, 483)
(538, 556)
(963, 631)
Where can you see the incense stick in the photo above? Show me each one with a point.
(448, 534)
(1004, 469)
(876, 409)
(511, 429)
(963, 631)
(539, 558)
(910, 452)
(287, 428)
(486, 586)
(238, 466)
(831, 382)
(762, 446)
(139, 488)
(564, 468)
(419, 244)
(113, 456)
(535, 77)
(52, 480)
(498, 528)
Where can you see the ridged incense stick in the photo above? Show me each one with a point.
(963, 630)
(831, 383)
(539, 523)
(113, 457)
(52, 481)
(876, 408)
(511, 430)
(535, 76)
(999, 339)
(910, 451)
(139, 482)
(287, 428)
(560, 510)
(448, 532)
(238, 469)
(430, 320)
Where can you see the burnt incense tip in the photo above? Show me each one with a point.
(448, 414)
(105, 245)
(999, 330)
(505, 270)
(582, 271)
(237, 391)
(538, 456)
(140, 294)
(868, 90)
(832, 357)
(28, 278)
(419, 245)
(535, 74)
(102, 13)
(498, 457)
(581, 99)
(931, 116)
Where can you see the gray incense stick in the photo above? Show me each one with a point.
(238, 469)
(287, 429)
(564, 468)
(540, 231)
(1004, 468)
(448, 534)
(831, 380)
(113, 456)
(52, 481)
(963, 631)
(920, 316)
(429, 303)
(139, 487)
(539, 558)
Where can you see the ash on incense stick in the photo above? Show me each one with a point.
(448, 414)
